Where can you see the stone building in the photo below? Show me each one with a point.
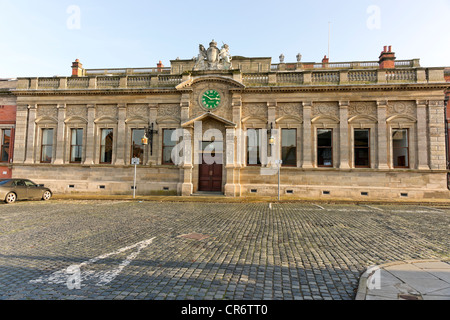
(7, 126)
(354, 130)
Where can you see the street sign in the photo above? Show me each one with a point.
(135, 161)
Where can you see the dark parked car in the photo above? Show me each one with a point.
(22, 189)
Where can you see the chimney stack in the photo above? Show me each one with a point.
(77, 69)
(387, 58)
(160, 66)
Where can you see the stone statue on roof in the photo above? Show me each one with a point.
(213, 58)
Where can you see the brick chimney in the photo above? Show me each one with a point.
(325, 60)
(387, 58)
(160, 66)
(77, 69)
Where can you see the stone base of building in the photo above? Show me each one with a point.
(295, 183)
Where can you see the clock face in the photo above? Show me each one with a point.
(211, 99)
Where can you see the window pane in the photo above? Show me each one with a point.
(47, 154)
(289, 147)
(168, 137)
(324, 137)
(361, 138)
(362, 157)
(106, 146)
(324, 156)
(47, 137)
(400, 138)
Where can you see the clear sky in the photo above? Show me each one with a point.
(43, 38)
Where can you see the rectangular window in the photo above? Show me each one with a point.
(254, 137)
(76, 145)
(47, 146)
(289, 147)
(168, 145)
(5, 143)
(106, 146)
(324, 147)
(362, 148)
(400, 148)
(137, 148)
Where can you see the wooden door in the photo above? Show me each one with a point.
(210, 177)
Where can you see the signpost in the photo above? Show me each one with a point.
(135, 162)
(279, 163)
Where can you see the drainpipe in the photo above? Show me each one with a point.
(447, 140)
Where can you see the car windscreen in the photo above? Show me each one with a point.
(3, 182)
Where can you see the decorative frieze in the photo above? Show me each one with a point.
(401, 108)
(362, 108)
(106, 110)
(169, 111)
(326, 108)
(137, 111)
(258, 110)
(76, 111)
(47, 111)
(290, 109)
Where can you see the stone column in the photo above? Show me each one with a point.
(382, 135)
(20, 141)
(187, 188)
(230, 166)
(31, 132)
(121, 136)
(307, 137)
(422, 141)
(60, 137)
(343, 135)
(90, 135)
(153, 159)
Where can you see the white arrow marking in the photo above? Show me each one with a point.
(105, 277)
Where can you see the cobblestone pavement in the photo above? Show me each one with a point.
(138, 250)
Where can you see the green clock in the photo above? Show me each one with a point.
(211, 99)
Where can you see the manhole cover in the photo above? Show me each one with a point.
(194, 236)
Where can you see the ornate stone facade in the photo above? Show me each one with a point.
(381, 138)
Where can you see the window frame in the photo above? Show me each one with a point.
(369, 151)
(408, 141)
(142, 158)
(163, 147)
(330, 147)
(47, 145)
(296, 147)
(77, 145)
(259, 147)
(2, 143)
(101, 144)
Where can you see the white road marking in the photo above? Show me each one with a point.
(105, 277)
(319, 206)
(374, 208)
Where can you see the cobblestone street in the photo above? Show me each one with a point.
(207, 251)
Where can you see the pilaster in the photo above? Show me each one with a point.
(382, 135)
(31, 133)
(307, 138)
(343, 135)
(59, 159)
(90, 135)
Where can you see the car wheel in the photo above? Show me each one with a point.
(46, 196)
(11, 197)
